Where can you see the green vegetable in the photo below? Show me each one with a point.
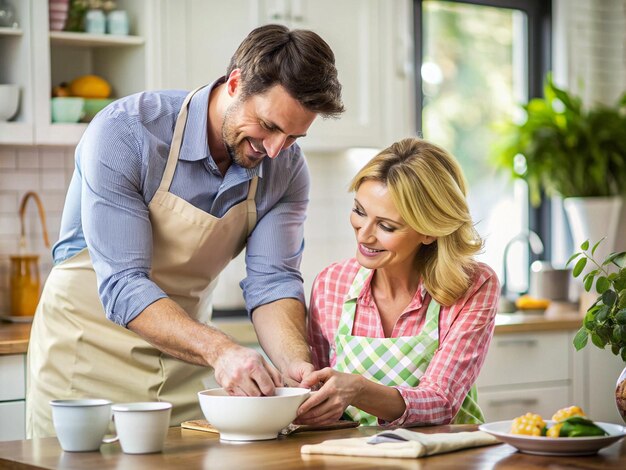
(577, 426)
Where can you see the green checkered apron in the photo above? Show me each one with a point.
(392, 361)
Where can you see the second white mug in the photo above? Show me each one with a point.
(141, 427)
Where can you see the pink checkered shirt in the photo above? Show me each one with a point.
(465, 331)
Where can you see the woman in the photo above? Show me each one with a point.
(401, 331)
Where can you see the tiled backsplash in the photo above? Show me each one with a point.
(48, 170)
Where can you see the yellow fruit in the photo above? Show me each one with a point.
(526, 302)
(90, 86)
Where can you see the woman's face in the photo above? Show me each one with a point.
(384, 239)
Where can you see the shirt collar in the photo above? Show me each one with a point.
(365, 295)
(195, 144)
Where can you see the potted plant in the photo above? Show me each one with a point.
(563, 149)
(605, 319)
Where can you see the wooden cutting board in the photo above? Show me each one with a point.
(204, 425)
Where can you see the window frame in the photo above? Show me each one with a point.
(539, 14)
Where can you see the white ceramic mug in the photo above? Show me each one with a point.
(142, 427)
(81, 424)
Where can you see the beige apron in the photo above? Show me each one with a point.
(74, 351)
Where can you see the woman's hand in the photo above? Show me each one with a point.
(326, 406)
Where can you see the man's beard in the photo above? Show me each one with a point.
(229, 136)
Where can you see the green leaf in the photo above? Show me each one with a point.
(588, 283)
(596, 340)
(623, 354)
(609, 297)
(572, 258)
(620, 259)
(620, 316)
(593, 250)
(615, 349)
(602, 285)
(618, 334)
(602, 314)
(620, 280)
(580, 340)
(580, 265)
(585, 245)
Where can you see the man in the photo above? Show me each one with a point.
(168, 188)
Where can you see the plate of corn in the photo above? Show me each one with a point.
(569, 432)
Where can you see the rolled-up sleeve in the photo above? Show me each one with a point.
(115, 216)
(275, 246)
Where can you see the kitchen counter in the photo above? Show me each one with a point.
(14, 336)
(196, 449)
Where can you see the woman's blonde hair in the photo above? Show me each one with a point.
(428, 188)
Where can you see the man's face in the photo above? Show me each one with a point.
(263, 125)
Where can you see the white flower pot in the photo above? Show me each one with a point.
(593, 218)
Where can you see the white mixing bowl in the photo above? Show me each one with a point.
(240, 418)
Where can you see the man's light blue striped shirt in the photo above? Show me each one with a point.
(119, 164)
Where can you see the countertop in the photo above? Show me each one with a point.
(14, 336)
(196, 449)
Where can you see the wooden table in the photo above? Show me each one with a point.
(196, 449)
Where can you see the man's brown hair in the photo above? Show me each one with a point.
(298, 60)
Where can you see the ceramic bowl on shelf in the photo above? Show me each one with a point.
(9, 101)
(240, 418)
(93, 106)
(67, 109)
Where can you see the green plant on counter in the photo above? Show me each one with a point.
(605, 320)
(562, 148)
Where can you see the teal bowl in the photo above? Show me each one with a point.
(67, 109)
(93, 106)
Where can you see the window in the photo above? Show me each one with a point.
(477, 61)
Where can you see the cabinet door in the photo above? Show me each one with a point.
(12, 421)
(12, 377)
(508, 404)
(16, 68)
(199, 38)
(352, 28)
(526, 358)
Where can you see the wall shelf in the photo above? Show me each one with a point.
(93, 40)
(4, 31)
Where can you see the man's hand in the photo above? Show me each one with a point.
(328, 404)
(243, 371)
(296, 372)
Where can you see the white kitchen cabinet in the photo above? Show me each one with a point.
(526, 372)
(371, 40)
(39, 59)
(121, 60)
(541, 372)
(16, 68)
(12, 397)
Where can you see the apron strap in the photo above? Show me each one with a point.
(177, 140)
(252, 204)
